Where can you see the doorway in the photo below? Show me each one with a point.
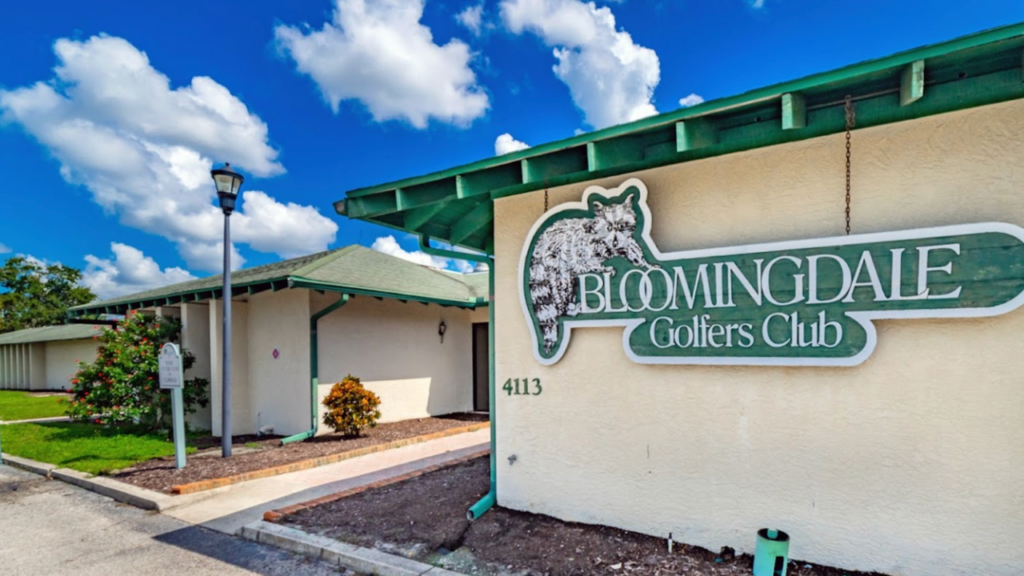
(481, 368)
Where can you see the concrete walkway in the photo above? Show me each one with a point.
(37, 420)
(228, 509)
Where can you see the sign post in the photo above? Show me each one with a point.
(172, 378)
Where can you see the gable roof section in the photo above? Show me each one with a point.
(352, 270)
(456, 205)
(48, 334)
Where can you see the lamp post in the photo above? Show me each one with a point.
(228, 183)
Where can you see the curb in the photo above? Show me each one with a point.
(363, 560)
(277, 515)
(120, 491)
(203, 485)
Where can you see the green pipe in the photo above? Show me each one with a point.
(314, 371)
(477, 510)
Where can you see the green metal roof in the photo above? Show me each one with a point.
(351, 270)
(456, 205)
(49, 334)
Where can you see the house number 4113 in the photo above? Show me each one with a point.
(523, 387)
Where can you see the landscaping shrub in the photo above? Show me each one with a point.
(350, 407)
(122, 385)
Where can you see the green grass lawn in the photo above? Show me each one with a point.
(16, 405)
(84, 447)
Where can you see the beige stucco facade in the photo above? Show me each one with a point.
(910, 464)
(43, 365)
(392, 346)
(395, 349)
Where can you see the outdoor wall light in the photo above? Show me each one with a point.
(228, 183)
(441, 329)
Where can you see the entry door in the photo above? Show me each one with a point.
(481, 368)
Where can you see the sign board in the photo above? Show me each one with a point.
(172, 378)
(170, 367)
(798, 303)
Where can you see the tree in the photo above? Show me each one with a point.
(122, 386)
(33, 294)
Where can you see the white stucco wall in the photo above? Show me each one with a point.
(395, 350)
(62, 358)
(195, 338)
(241, 423)
(910, 464)
(279, 388)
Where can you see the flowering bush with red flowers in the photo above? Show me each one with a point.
(350, 407)
(122, 385)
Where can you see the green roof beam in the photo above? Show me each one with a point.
(479, 218)
(695, 134)
(912, 83)
(418, 217)
(794, 111)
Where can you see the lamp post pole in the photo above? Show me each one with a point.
(225, 436)
(228, 183)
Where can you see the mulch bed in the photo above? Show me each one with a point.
(425, 518)
(259, 452)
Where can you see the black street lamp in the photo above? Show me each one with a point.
(228, 184)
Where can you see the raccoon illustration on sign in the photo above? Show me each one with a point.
(804, 302)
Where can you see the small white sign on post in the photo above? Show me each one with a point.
(170, 367)
(172, 378)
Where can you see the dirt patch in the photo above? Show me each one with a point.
(425, 518)
(252, 453)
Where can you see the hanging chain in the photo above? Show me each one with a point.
(545, 197)
(851, 121)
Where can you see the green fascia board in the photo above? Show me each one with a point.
(296, 282)
(848, 73)
(48, 334)
(123, 305)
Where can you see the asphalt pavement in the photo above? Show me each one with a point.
(52, 528)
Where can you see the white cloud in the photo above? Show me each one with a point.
(379, 53)
(388, 245)
(4, 249)
(472, 18)
(756, 4)
(128, 271)
(691, 100)
(144, 150)
(611, 78)
(506, 144)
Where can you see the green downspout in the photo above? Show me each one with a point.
(314, 371)
(477, 510)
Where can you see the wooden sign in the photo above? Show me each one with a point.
(797, 303)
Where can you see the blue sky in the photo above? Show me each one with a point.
(113, 112)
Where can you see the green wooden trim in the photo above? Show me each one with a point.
(912, 83)
(326, 287)
(471, 223)
(696, 133)
(794, 111)
(415, 219)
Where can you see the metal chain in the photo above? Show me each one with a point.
(851, 121)
(545, 198)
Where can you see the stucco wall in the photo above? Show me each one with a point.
(396, 351)
(62, 359)
(910, 464)
(279, 388)
(195, 338)
(241, 423)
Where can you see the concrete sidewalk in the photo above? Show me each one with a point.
(231, 507)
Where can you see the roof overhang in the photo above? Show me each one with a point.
(285, 282)
(456, 205)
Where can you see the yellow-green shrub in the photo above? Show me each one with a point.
(350, 407)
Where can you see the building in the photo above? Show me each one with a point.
(44, 358)
(737, 360)
(303, 324)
